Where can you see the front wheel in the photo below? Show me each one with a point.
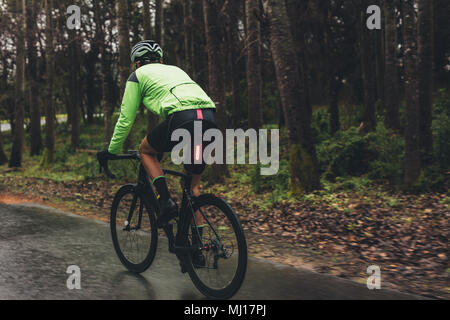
(133, 229)
(218, 268)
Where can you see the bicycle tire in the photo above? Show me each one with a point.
(232, 288)
(114, 226)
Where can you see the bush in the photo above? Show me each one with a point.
(278, 182)
(320, 125)
(378, 154)
(345, 154)
(350, 184)
(390, 154)
(275, 186)
(62, 153)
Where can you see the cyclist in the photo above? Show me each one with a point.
(171, 94)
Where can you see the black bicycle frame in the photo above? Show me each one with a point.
(145, 188)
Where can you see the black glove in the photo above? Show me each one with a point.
(104, 156)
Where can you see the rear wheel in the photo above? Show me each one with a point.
(218, 269)
(133, 229)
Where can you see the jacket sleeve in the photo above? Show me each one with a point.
(128, 110)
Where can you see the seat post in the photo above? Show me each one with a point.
(143, 176)
(187, 179)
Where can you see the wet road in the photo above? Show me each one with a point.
(37, 244)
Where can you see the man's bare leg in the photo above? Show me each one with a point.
(195, 184)
(151, 164)
(150, 161)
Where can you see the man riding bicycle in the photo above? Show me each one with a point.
(170, 93)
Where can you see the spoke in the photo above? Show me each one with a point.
(219, 233)
(133, 246)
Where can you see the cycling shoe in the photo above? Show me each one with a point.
(169, 210)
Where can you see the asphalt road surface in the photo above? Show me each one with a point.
(38, 244)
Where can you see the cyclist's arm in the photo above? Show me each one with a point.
(130, 105)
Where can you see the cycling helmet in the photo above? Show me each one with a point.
(146, 51)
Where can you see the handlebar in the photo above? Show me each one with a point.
(132, 155)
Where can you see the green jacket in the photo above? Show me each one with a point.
(163, 89)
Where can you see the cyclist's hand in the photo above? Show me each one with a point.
(103, 157)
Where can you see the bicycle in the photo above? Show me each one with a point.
(221, 245)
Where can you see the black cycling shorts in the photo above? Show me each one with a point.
(160, 137)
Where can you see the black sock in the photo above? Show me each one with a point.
(161, 186)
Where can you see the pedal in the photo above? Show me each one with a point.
(168, 229)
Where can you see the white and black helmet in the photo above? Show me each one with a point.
(147, 50)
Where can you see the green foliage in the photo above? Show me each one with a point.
(350, 184)
(345, 154)
(320, 125)
(278, 183)
(389, 150)
(276, 187)
(62, 153)
(378, 154)
(445, 201)
(271, 103)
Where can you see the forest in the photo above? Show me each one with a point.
(361, 98)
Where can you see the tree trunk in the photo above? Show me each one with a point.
(216, 75)
(254, 77)
(201, 57)
(105, 105)
(74, 94)
(124, 43)
(379, 62)
(91, 89)
(158, 21)
(295, 10)
(334, 80)
(18, 137)
(233, 57)
(152, 119)
(426, 56)
(412, 114)
(188, 58)
(50, 74)
(3, 157)
(379, 57)
(35, 112)
(333, 107)
(124, 54)
(147, 20)
(367, 71)
(304, 175)
(391, 88)
(3, 86)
